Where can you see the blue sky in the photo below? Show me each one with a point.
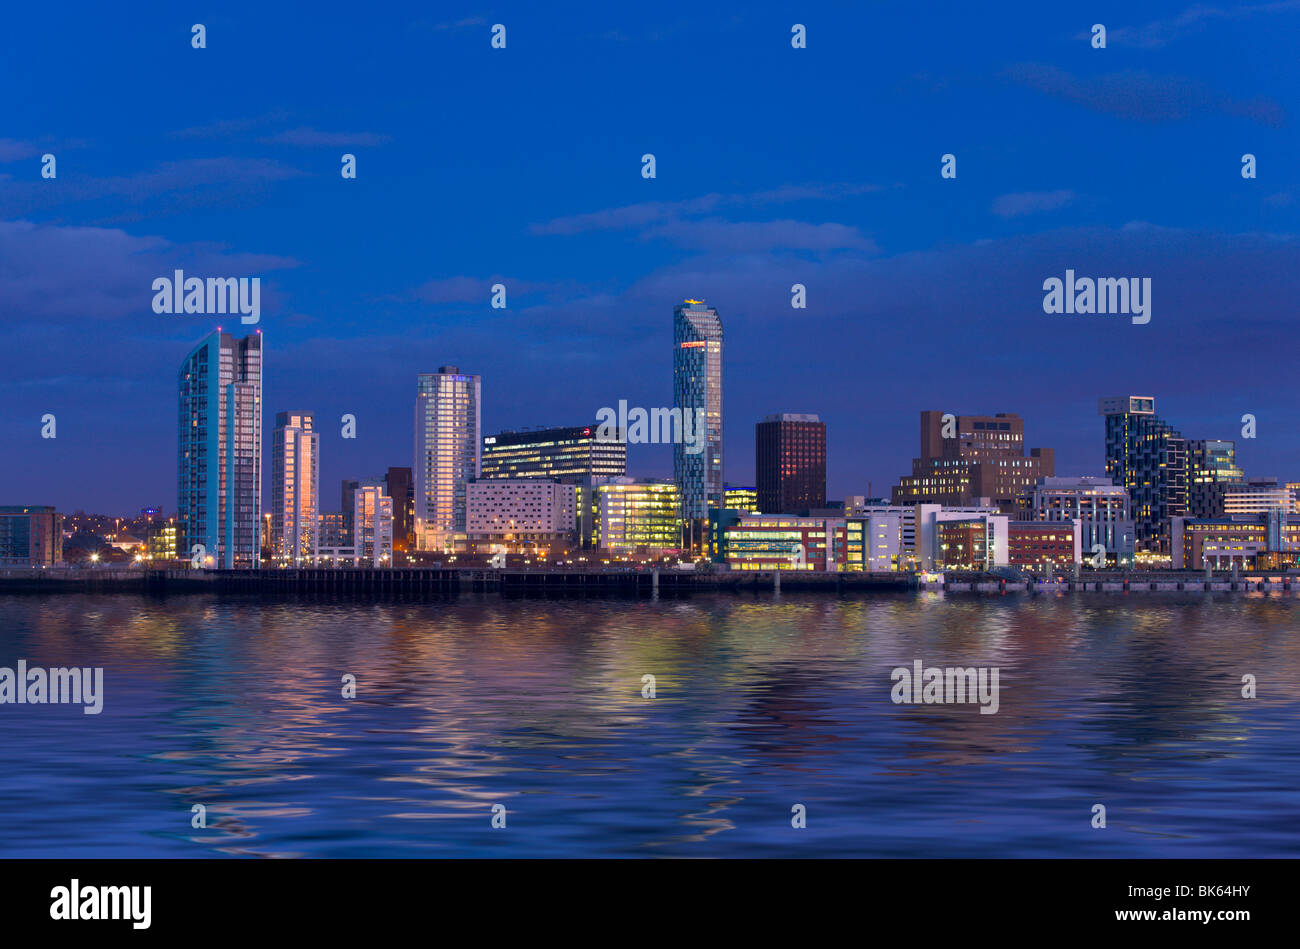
(775, 166)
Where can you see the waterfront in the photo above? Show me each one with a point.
(762, 702)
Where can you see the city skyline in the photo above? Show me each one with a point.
(918, 288)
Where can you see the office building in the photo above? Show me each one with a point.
(1211, 467)
(973, 460)
(1265, 541)
(521, 515)
(1147, 456)
(573, 452)
(31, 535)
(740, 499)
(447, 453)
(790, 463)
(295, 488)
(399, 486)
(630, 515)
(1045, 545)
(1256, 496)
(1101, 507)
(219, 455)
(697, 386)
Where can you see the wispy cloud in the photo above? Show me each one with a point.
(1142, 96)
(304, 137)
(1160, 33)
(1031, 202)
(648, 213)
(230, 128)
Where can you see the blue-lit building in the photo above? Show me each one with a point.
(697, 384)
(219, 451)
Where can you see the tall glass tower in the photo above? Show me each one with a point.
(295, 488)
(448, 452)
(697, 384)
(219, 451)
(1149, 457)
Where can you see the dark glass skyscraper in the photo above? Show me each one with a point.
(697, 385)
(1149, 457)
(219, 451)
(790, 463)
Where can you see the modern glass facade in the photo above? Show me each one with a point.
(295, 488)
(1211, 467)
(553, 453)
(625, 515)
(219, 451)
(1149, 457)
(30, 536)
(447, 453)
(697, 384)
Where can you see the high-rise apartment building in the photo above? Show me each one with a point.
(448, 450)
(372, 525)
(219, 451)
(790, 463)
(697, 387)
(973, 459)
(1149, 457)
(573, 452)
(295, 488)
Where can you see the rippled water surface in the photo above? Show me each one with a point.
(761, 703)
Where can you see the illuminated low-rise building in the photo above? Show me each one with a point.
(1268, 541)
(740, 499)
(31, 535)
(1044, 545)
(630, 515)
(521, 515)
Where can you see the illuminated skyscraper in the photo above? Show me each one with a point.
(295, 488)
(697, 384)
(448, 449)
(1149, 457)
(554, 453)
(219, 451)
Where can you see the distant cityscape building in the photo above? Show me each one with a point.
(1211, 467)
(1147, 456)
(1044, 544)
(740, 499)
(521, 515)
(973, 460)
(295, 488)
(573, 452)
(219, 451)
(790, 463)
(1101, 507)
(697, 385)
(1268, 541)
(31, 535)
(447, 453)
(372, 525)
(629, 515)
(1256, 496)
(399, 485)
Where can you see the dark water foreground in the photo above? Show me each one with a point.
(761, 703)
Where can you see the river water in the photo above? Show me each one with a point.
(761, 703)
